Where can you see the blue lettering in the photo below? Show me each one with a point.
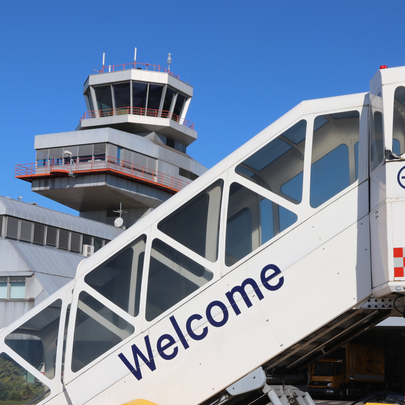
(136, 352)
(265, 279)
(179, 332)
(170, 343)
(165, 343)
(211, 320)
(191, 333)
(242, 292)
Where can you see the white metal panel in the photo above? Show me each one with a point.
(313, 270)
(265, 329)
(378, 187)
(379, 252)
(387, 223)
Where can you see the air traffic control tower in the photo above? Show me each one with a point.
(128, 153)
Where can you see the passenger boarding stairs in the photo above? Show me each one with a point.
(288, 248)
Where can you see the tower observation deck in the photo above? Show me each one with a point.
(129, 147)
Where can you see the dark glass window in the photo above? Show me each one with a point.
(278, 166)
(377, 141)
(99, 151)
(139, 92)
(104, 100)
(98, 243)
(64, 239)
(196, 224)
(322, 187)
(26, 230)
(187, 174)
(155, 96)
(97, 329)
(75, 245)
(293, 188)
(88, 94)
(40, 337)
(119, 278)
(323, 368)
(51, 234)
(333, 155)
(396, 146)
(87, 240)
(252, 221)
(239, 236)
(172, 277)
(39, 233)
(122, 96)
(398, 132)
(12, 228)
(167, 103)
(178, 107)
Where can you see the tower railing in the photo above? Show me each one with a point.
(147, 112)
(57, 167)
(137, 65)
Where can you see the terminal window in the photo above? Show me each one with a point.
(12, 288)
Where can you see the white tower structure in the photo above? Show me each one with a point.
(127, 156)
(129, 147)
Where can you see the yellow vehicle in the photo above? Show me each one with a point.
(352, 370)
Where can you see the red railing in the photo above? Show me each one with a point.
(148, 112)
(65, 167)
(136, 65)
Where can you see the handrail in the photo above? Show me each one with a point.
(85, 165)
(136, 65)
(148, 112)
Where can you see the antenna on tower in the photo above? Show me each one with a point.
(103, 59)
(169, 61)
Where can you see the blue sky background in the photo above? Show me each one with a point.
(248, 61)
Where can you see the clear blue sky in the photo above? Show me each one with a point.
(248, 61)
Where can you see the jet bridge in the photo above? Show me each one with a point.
(288, 248)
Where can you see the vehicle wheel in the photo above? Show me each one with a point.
(342, 393)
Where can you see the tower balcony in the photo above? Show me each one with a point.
(63, 167)
(148, 112)
(138, 120)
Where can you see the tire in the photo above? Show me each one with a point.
(342, 393)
